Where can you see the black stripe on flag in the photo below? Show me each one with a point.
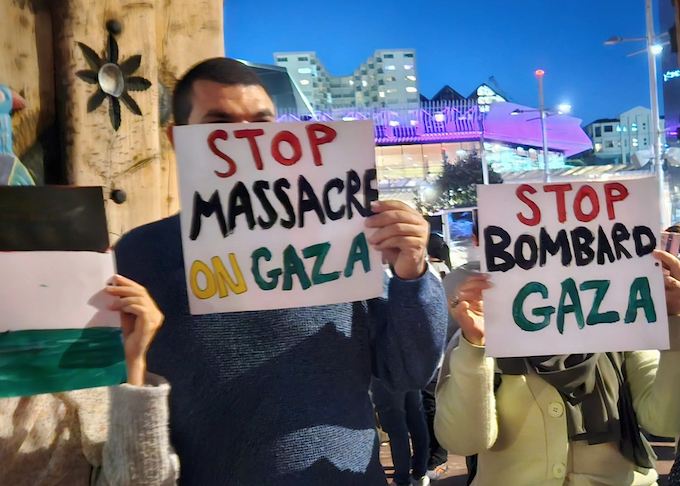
(52, 218)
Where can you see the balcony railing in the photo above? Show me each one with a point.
(411, 123)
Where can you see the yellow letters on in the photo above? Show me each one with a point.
(211, 286)
(224, 280)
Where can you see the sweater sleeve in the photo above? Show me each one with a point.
(137, 451)
(409, 332)
(465, 422)
(654, 379)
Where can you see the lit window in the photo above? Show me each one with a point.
(392, 90)
(411, 89)
(598, 147)
(382, 94)
(408, 67)
(391, 79)
(304, 82)
(281, 59)
(351, 82)
(633, 127)
(365, 83)
(304, 70)
(411, 78)
(391, 67)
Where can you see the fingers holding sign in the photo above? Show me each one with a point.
(401, 235)
(467, 307)
(671, 267)
(140, 320)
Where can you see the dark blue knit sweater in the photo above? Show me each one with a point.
(280, 397)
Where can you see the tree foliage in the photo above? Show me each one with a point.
(456, 187)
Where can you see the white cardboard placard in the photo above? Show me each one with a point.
(46, 290)
(631, 312)
(265, 175)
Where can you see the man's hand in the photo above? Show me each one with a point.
(671, 267)
(140, 320)
(401, 236)
(467, 308)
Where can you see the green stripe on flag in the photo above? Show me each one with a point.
(53, 361)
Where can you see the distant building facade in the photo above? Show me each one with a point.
(626, 139)
(389, 78)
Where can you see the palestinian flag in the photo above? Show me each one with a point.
(56, 332)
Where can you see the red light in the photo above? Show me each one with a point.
(540, 72)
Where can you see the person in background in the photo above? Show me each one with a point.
(116, 436)
(280, 397)
(572, 419)
(401, 414)
(438, 254)
(437, 463)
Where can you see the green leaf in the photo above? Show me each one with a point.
(114, 112)
(137, 83)
(131, 104)
(95, 100)
(112, 49)
(91, 57)
(90, 77)
(131, 64)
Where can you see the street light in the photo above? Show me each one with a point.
(544, 114)
(654, 47)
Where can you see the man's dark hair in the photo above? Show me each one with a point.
(222, 70)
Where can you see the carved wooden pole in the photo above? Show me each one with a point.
(116, 62)
(27, 67)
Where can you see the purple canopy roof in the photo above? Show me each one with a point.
(564, 133)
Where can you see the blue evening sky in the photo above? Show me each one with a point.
(463, 43)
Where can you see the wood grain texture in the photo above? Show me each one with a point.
(27, 66)
(188, 31)
(96, 154)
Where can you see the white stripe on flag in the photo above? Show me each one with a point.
(55, 290)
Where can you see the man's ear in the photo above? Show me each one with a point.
(171, 134)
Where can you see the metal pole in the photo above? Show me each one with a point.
(656, 132)
(621, 140)
(546, 168)
(485, 167)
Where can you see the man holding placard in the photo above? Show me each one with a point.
(550, 380)
(272, 286)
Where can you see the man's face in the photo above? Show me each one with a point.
(216, 103)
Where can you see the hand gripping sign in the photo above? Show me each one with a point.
(273, 214)
(572, 268)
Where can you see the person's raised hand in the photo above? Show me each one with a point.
(466, 306)
(140, 320)
(671, 267)
(401, 235)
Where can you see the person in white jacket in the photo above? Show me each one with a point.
(557, 420)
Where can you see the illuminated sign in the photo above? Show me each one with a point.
(671, 74)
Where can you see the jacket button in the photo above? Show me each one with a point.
(555, 409)
(558, 470)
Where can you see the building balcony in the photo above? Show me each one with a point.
(416, 123)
